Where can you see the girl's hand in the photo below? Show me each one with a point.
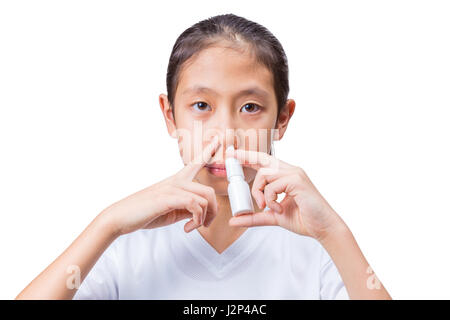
(303, 209)
(168, 201)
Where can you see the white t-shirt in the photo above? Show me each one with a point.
(265, 262)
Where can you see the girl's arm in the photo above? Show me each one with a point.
(77, 260)
(306, 212)
(168, 201)
(356, 273)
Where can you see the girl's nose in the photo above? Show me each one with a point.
(226, 127)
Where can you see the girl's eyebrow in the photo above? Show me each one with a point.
(245, 92)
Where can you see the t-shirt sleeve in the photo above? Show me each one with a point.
(101, 281)
(331, 285)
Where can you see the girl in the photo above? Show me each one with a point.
(225, 73)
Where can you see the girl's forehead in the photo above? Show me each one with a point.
(224, 67)
(224, 59)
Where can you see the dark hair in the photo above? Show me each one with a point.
(265, 47)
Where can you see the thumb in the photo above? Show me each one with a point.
(263, 218)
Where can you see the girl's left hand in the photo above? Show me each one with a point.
(303, 209)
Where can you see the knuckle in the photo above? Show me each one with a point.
(258, 183)
(203, 202)
(263, 173)
(210, 191)
(300, 170)
(300, 173)
(191, 201)
(268, 189)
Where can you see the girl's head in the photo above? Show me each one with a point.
(227, 76)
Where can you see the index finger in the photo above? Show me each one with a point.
(192, 168)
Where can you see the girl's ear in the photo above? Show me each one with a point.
(168, 115)
(283, 119)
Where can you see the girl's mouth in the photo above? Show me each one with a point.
(217, 169)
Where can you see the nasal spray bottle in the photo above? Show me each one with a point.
(238, 189)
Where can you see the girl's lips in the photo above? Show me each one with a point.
(218, 170)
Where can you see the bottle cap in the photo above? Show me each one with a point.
(233, 166)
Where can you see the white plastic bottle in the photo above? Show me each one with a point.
(238, 189)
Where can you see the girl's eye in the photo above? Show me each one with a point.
(202, 106)
(253, 108)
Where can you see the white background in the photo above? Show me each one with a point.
(80, 124)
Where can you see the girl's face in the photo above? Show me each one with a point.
(223, 92)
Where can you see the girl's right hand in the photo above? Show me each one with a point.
(168, 201)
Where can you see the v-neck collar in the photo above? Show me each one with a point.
(221, 263)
